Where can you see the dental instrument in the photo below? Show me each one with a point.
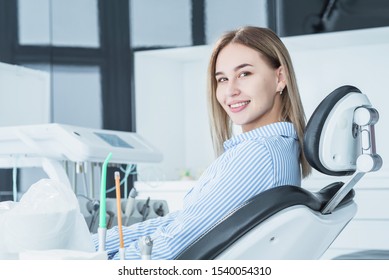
(145, 209)
(93, 207)
(130, 204)
(119, 215)
(146, 246)
(160, 211)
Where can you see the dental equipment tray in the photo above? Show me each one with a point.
(77, 144)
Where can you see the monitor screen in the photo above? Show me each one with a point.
(114, 140)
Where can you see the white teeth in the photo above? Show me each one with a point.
(236, 105)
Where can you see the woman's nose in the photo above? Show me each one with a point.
(233, 89)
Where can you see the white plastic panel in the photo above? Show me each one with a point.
(293, 233)
(338, 149)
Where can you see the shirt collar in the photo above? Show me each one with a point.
(274, 129)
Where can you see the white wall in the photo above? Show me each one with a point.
(171, 110)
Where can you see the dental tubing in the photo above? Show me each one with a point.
(102, 230)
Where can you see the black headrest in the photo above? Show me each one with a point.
(313, 131)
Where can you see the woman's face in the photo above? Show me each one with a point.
(247, 87)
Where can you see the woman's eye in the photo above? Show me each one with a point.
(222, 79)
(244, 74)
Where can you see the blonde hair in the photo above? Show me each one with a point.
(274, 51)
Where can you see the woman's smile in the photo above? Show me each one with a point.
(236, 107)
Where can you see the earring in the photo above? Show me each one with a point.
(281, 91)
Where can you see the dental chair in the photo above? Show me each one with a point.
(290, 222)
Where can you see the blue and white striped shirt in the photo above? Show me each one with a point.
(253, 162)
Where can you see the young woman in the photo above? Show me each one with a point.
(252, 85)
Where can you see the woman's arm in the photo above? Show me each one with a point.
(227, 183)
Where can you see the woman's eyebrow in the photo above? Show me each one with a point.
(236, 68)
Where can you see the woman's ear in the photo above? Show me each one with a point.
(281, 78)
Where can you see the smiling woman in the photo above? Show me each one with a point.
(245, 87)
(252, 84)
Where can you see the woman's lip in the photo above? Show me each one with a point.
(238, 106)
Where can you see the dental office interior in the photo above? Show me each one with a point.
(94, 90)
